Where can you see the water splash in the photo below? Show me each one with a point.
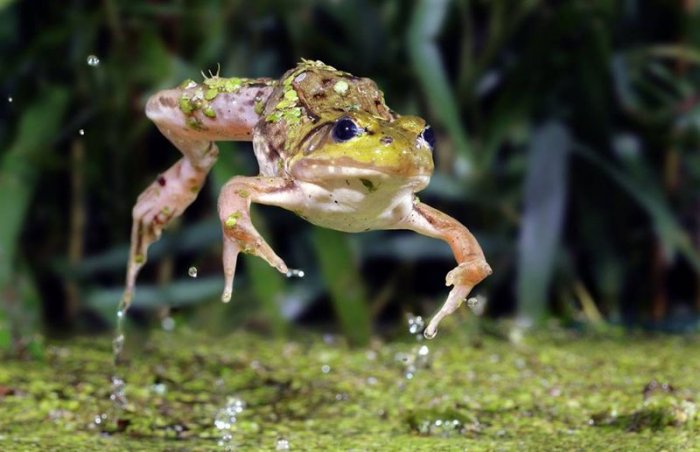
(99, 419)
(477, 304)
(282, 444)
(81, 132)
(118, 394)
(416, 325)
(159, 389)
(93, 60)
(419, 356)
(226, 418)
(441, 427)
(118, 344)
(168, 323)
(118, 388)
(192, 272)
(295, 273)
(10, 99)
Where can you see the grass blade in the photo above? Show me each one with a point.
(347, 290)
(427, 63)
(20, 168)
(544, 202)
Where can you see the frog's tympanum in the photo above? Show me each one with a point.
(329, 150)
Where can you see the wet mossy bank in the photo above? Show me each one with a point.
(552, 392)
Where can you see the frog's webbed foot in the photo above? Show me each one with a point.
(239, 233)
(165, 199)
(472, 267)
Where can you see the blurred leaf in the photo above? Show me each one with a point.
(268, 287)
(403, 247)
(649, 196)
(180, 293)
(20, 169)
(428, 16)
(676, 52)
(346, 286)
(190, 238)
(543, 213)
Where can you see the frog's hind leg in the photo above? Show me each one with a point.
(472, 267)
(239, 233)
(164, 200)
(227, 116)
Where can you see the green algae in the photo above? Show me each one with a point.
(550, 392)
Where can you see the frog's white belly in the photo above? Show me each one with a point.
(352, 205)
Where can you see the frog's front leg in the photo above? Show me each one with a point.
(191, 118)
(239, 233)
(472, 267)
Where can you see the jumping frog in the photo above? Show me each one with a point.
(329, 150)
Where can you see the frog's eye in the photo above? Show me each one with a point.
(344, 129)
(429, 136)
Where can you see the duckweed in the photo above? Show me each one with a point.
(551, 392)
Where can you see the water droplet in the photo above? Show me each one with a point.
(282, 444)
(416, 324)
(121, 313)
(159, 388)
(10, 99)
(192, 271)
(81, 132)
(401, 357)
(295, 273)
(372, 380)
(325, 368)
(472, 302)
(118, 395)
(118, 344)
(226, 417)
(423, 350)
(168, 323)
(92, 60)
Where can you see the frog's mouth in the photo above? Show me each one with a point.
(311, 169)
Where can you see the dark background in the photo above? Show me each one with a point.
(567, 142)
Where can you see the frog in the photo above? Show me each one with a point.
(329, 149)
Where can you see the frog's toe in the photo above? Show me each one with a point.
(454, 300)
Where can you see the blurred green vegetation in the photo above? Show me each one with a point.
(568, 137)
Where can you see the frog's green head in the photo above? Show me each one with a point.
(355, 143)
(342, 127)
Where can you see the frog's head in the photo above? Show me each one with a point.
(338, 126)
(359, 144)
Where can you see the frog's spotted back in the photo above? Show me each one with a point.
(326, 87)
(315, 88)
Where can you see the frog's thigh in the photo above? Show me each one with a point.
(240, 234)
